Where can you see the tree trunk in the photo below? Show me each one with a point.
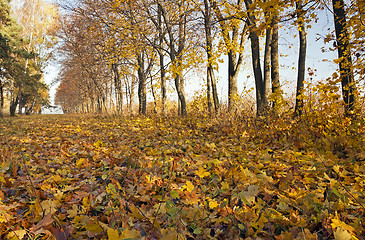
(344, 54)
(21, 105)
(179, 80)
(118, 88)
(131, 94)
(209, 101)
(214, 88)
(142, 100)
(234, 62)
(181, 95)
(30, 110)
(13, 105)
(232, 81)
(154, 97)
(211, 81)
(255, 51)
(1, 99)
(162, 67)
(163, 85)
(99, 106)
(267, 67)
(260, 95)
(176, 52)
(299, 102)
(275, 81)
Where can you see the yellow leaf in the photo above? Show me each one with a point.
(86, 202)
(250, 194)
(266, 178)
(241, 226)
(72, 212)
(202, 173)
(79, 162)
(282, 206)
(336, 223)
(4, 217)
(16, 235)
(306, 234)
(99, 143)
(130, 234)
(135, 211)
(175, 194)
(211, 146)
(342, 234)
(260, 222)
(49, 206)
(93, 227)
(212, 203)
(2, 179)
(189, 186)
(169, 234)
(225, 186)
(113, 234)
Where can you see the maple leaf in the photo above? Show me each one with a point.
(342, 234)
(336, 223)
(201, 172)
(16, 234)
(99, 143)
(46, 221)
(113, 234)
(189, 186)
(169, 233)
(212, 203)
(129, 233)
(250, 194)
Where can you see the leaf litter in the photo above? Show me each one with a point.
(84, 177)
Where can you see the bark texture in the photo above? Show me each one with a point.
(299, 101)
(275, 81)
(344, 54)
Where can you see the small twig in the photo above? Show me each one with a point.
(111, 206)
(344, 187)
(155, 218)
(7, 221)
(31, 183)
(350, 194)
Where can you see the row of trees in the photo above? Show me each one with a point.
(25, 40)
(111, 46)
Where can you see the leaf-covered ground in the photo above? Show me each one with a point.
(84, 177)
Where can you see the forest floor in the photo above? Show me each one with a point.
(93, 177)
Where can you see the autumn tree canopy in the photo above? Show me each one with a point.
(127, 46)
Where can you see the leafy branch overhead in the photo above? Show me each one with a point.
(123, 51)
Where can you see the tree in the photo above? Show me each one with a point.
(299, 101)
(234, 35)
(269, 76)
(176, 44)
(4, 50)
(344, 56)
(11, 52)
(275, 77)
(211, 80)
(261, 100)
(38, 20)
